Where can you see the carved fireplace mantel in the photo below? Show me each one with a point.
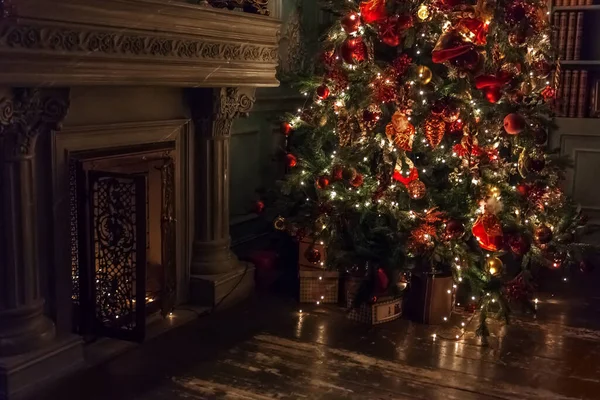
(135, 42)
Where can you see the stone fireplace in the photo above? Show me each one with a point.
(115, 123)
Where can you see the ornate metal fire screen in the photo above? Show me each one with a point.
(249, 6)
(118, 222)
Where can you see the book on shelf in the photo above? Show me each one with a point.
(564, 107)
(578, 36)
(574, 95)
(562, 35)
(589, 2)
(555, 25)
(570, 45)
(559, 94)
(583, 94)
(558, 3)
(573, 2)
(581, 2)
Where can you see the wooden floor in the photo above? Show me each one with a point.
(268, 350)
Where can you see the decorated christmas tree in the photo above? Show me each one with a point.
(423, 145)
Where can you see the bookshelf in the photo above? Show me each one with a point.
(578, 99)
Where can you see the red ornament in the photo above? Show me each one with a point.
(357, 181)
(548, 93)
(351, 23)
(523, 189)
(349, 174)
(372, 10)
(518, 244)
(382, 282)
(540, 137)
(493, 94)
(312, 255)
(514, 124)
(323, 92)
(488, 232)
(291, 159)
(286, 128)
(401, 64)
(322, 182)
(586, 267)
(537, 164)
(543, 68)
(354, 50)
(338, 173)
(454, 229)
(259, 206)
(389, 32)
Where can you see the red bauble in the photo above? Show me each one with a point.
(543, 234)
(523, 189)
(454, 229)
(540, 137)
(518, 244)
(514, 124)
(354, 50)
(586, 267)
(323, 92)
(372, 10)
(537, 164)
(322, 182)
(382, 282)
(392, 39)
(493, 94)
(389, 32)
(349, 174)
(516, 12)
(543, 68)
(291, 160)
(286, 128)
(259, 206)
(312, 255)
(351, 23)
(357, 181)
(488, 232)
(338, 173)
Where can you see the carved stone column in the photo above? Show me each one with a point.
(25, 114)
(213, 264)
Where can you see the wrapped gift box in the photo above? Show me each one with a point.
(318, 286)
(383, 310)
(430, 298)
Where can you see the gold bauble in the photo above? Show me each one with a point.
(423, 12)
(416, 189)
(425, 74)
(494, 265)
(279, 223)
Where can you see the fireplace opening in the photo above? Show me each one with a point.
(122, 239)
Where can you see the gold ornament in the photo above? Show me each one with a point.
(435, 127)
(279, 223)
(425, 74)
(423, 12)
(416, 189)
(494, 265)
(400, 131)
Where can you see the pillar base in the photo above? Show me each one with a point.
(22, 375)
(223, 290)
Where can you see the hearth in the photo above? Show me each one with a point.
(122, 238)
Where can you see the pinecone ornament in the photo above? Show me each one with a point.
(435, 127)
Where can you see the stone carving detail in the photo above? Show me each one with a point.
(26, 113)
(250, 6)
(214, 110)
(292, 53)
(121, 43)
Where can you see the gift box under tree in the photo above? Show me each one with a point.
(317, 285)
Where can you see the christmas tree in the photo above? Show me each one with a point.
(423, 144)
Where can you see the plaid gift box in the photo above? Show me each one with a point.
(317, 286)
(384, 310)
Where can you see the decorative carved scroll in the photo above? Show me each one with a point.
(214, 110)
(250, 6)
(127, 44)
(26, 113)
